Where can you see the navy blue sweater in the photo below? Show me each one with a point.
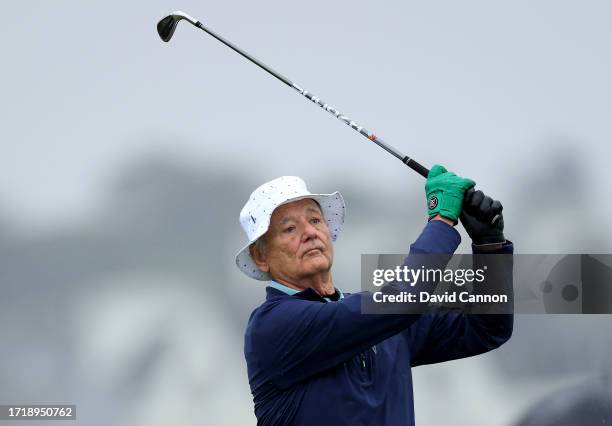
(316, 362)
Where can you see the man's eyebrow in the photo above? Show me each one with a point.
(285, 220)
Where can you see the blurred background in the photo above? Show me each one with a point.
(125, 162)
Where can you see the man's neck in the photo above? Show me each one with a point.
(321, 283)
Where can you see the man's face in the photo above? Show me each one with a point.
(298, 243)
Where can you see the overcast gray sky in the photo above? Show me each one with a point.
(489, 89)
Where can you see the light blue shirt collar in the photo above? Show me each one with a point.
(291, 291)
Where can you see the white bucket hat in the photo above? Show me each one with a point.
(256, 213)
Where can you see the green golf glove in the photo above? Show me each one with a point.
(445, 192)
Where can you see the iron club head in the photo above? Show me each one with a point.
(167, 25)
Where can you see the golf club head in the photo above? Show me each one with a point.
(167, 25)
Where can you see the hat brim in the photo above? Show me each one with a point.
(333, 208)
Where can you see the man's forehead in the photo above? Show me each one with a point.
(294, 208)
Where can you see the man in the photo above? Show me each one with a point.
(313, 358)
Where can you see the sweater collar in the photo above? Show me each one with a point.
(305, 294)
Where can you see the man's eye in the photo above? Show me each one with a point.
(289, 229)
(315, 220)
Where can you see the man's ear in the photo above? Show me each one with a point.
(259, 258)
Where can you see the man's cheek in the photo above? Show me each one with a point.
(289, 255)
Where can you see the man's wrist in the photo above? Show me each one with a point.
(443, 219)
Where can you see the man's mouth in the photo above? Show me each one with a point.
(311, 251)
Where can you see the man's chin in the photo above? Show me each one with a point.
(317, 264)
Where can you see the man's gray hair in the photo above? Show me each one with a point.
(260, 244)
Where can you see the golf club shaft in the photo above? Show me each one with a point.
(423, 171)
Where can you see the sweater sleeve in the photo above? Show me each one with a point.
(444, 336)
(291, 338)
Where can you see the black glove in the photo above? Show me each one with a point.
(478, 212)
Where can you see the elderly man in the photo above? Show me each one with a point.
(313, 357)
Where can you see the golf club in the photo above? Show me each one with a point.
(166, 27)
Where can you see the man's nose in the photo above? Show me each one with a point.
(310, 231)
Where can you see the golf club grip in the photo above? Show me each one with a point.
(417, 167)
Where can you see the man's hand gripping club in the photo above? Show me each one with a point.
(452, 197)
